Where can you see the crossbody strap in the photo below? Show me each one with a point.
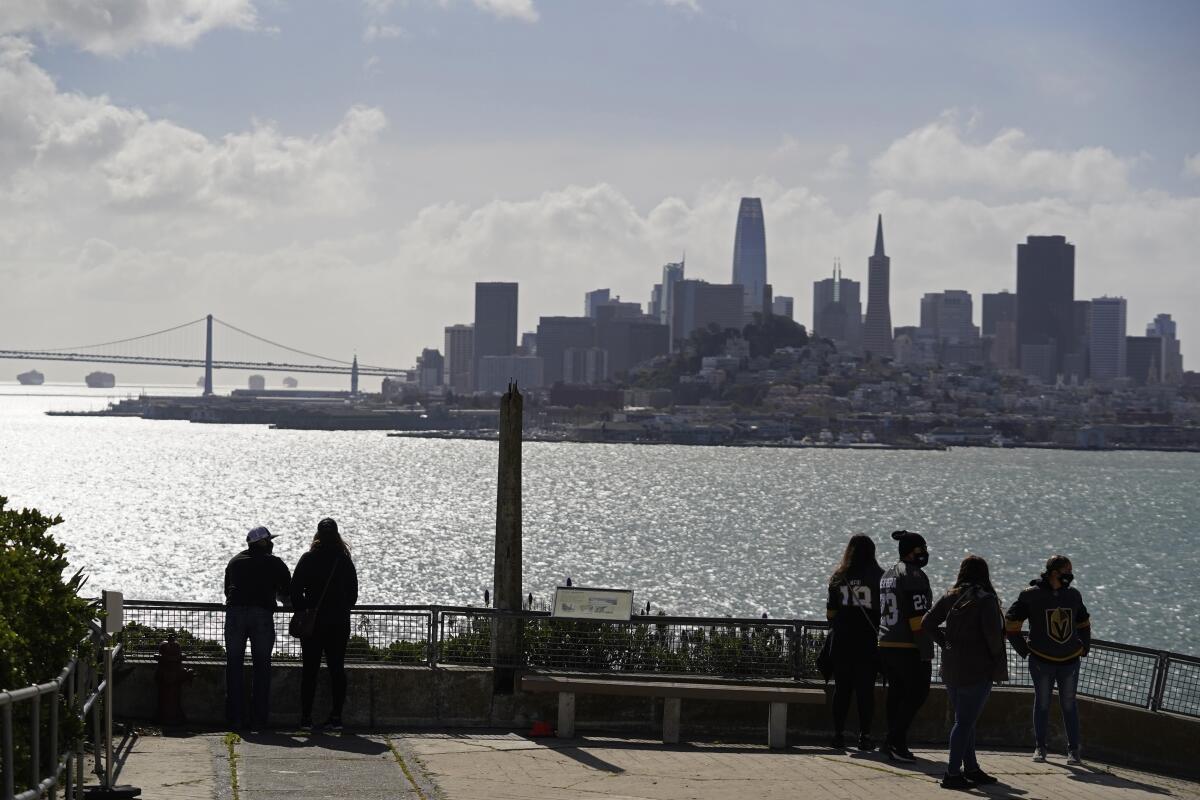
(850, 595)
(328, 581)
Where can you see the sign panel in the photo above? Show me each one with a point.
(114, 612)
(573, 602)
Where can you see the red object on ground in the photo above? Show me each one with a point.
(541, 728)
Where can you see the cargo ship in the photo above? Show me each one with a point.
(100, 380)
(31, 378)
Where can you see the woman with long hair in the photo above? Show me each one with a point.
(852, 606)
(325, 580)
(973, 657)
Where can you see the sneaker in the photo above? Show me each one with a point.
(952, 781)
(1073, 757)
(865, 744)
(901, 755)
(333, 725)
(979, 777)
(1039, 755)
(838, 742)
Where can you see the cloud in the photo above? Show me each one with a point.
(522, 10)
(115, 27)
(1191, 165)
(98, 153)
(689, 5)
(937, 156)
(838, 165)
(375, 31)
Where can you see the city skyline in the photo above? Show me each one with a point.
(158, 168)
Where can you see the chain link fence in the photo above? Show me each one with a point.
(723, 647)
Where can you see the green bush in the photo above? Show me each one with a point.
(42, 619)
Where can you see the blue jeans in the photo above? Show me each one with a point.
(967, 703)
(1045, 675)
(257, 625)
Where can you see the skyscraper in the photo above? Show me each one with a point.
(671, 274)
(750, 254)
(1107, 345)
(495, 323)
(460, 342)
(837, 310)
(593, 299)
(877, 327)
(555, 335)
(1144, 359)
(783, 306)
(1045, 298)
(998, 307)
(1164, 327)
(698, 304)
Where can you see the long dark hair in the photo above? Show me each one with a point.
(327, 537)
(858, 557)
(973, 572)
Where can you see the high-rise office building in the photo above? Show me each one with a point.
(947, 323)
(593, 299)
(430, 369)
(671, 275)
(555, 335)
(495, 322)
(585, 365)
(1045, 304)
(460, 346)
(877, 326)
(750, 254)
(629, 340)
(495, 372)
(1164, 327)
(783, 306)
(1106, 347)
(837, 310)
(1144, 359)
(997, 307)
(698, 304)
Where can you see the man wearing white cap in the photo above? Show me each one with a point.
(253, 581)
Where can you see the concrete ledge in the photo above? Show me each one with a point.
(419, 697)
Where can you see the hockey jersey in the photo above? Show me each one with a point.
(904, 598)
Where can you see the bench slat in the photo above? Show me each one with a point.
(766, 694)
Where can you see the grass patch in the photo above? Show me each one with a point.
(404, 768)
(231, 741)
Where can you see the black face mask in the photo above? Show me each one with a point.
(919, 560)
(1066, 578)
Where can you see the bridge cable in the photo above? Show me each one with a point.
(285, 347)
(118, 341)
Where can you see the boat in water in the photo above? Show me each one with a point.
(100, 380)
(31, 378)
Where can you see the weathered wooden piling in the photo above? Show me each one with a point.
(506, 576)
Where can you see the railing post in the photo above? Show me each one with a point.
(9, 785)
(35, 739)
(432, 649)
(1161, 665)
(54, 739)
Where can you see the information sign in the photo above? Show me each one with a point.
(573, 602)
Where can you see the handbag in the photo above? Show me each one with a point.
(303, 624)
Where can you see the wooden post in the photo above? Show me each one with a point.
(506, 576)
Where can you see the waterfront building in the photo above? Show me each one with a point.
(837, 311)
(460, 346)
(783, 306)
(877, 326)
(495, 372)
(430, 369)
(1144, 359)
(1045, 304)
(585, 365)
(698, 304)
(593, 299)
(1107, 345)
(495, 321)
(555, 336)
(1164, 327)
(750, 255)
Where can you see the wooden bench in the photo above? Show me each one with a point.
(673, 693)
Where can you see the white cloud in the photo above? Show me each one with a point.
(838, 165)
(375, 31)
(690, 5)
(522, 10)
(114, 27)
(1191, 165)
(937, 155)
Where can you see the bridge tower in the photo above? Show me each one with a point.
(208, 357)
(354, 377)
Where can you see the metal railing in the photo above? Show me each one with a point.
(79, 688)
(743, 648)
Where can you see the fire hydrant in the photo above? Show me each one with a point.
(170, 676)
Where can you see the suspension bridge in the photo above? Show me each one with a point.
(181, 346)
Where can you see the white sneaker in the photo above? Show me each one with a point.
(1073, 757)
(1039, 755)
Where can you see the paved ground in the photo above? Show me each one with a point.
(475, 766)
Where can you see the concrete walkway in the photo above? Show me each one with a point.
(480, 766)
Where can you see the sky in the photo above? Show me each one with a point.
(336, 176)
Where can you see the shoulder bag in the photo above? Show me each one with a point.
(303, 624)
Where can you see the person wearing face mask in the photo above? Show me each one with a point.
(254, 579)
(905, 649)
(1059, 635)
